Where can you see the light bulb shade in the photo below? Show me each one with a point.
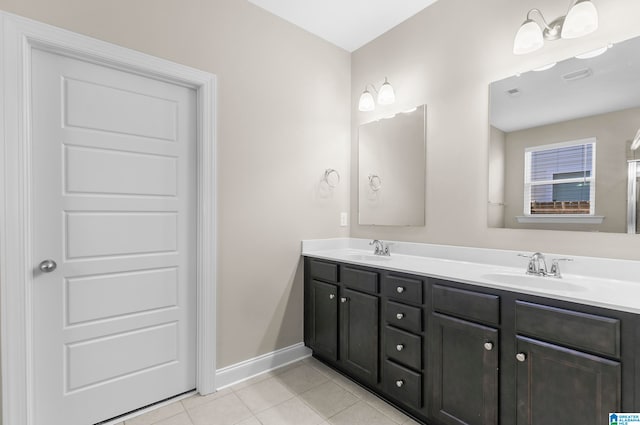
(528, 39)
(366, 103)
(386, 95)
(582, 19)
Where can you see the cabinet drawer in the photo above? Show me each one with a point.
(403, 347)
(323, 270)
(597, 334)
(403, 288)
(362, 280)
(404, 316)
(403, 384)
(474, 306)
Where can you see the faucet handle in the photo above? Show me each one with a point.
(555, 266)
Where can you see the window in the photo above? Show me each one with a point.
(560, 179)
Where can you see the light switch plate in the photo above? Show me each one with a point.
(344, 219)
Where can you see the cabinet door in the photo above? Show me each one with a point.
(464, 367)
(324, 317)
(556, 385)
(359, 351)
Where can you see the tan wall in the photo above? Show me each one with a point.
(612, 132)
(283, 118)
(446, 56)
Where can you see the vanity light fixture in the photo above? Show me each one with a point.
(545, 67)
(595, 52)
(386, 96)
(582, 19)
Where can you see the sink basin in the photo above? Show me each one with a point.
(533, 282)
(367, 257)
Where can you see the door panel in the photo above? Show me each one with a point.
(113, 174)
(465, 372)
(585, 388)
(359, 352)
(324, 299)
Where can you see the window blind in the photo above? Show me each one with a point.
(559, 179)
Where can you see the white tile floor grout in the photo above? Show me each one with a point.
(303, 393)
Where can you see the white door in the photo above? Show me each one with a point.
(114, 201)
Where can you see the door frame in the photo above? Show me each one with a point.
(19, 37)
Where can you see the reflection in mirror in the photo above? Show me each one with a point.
(560, 144)
(391, 170)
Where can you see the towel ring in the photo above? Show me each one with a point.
(375, 182)
(331, 177)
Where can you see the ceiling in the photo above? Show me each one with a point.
(535, 99)
(349, 24)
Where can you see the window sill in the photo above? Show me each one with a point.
(561, 218)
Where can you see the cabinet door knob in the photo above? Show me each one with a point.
(399, 383)
(488, 346)
(400, 316)
(343, 299)
(400, 289)
(331, 296)
(521, 357)
(400, 347)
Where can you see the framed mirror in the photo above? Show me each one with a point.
(391, 170)
(560, 144)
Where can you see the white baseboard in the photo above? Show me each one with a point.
(242, 371)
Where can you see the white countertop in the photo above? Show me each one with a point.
(608, 283)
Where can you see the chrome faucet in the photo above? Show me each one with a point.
(538, 266)
(379, 248)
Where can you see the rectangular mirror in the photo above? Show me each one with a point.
(391, 170)
(560, 144)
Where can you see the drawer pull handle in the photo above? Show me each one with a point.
(331, 296)
(400, 316)
(400, 289)
(399, 383)
(400, 347)
(343, 299)
(488, 346)
(521, 357)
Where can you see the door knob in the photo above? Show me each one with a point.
(399, 289)
(521, 357)
(399, 383)
(400, 347)
(488, 346)
(343, 300)
(400, 316)
(331, 296)
(47, 266)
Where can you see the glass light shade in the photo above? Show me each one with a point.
(582, 19)
(386, 95)
(528, 39)
(593, 53)
(545, 67)
(366, 103)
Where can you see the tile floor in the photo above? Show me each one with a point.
(303, 393)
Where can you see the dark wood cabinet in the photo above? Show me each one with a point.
(451, 353)
(324, 320)
(464, 372)
(557, 385)
(360, 318)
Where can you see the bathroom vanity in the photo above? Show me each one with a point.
(450, 348)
